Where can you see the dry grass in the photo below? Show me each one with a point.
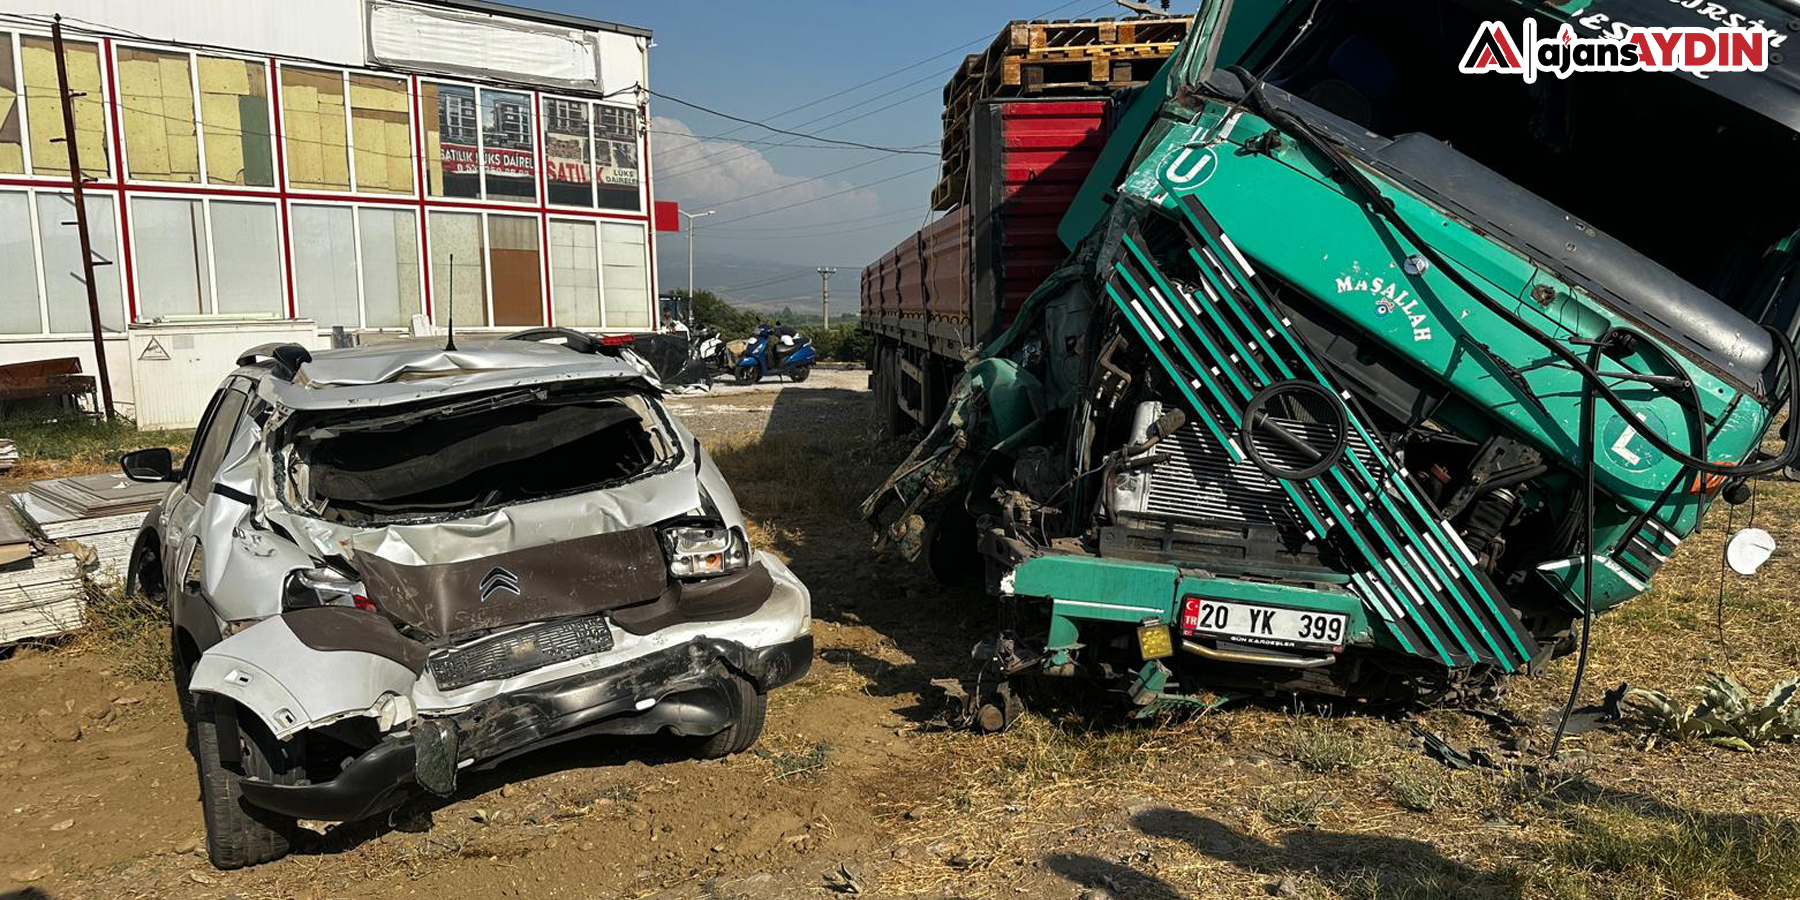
(1345, 806)
(129, 628)
(53, 449)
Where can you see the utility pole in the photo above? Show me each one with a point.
(81, 223)
(691, 227)
(825, 273)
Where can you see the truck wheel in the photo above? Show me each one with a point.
(238, 834)
(894, 423)
(741, 734)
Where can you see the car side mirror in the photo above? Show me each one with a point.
(155, 465)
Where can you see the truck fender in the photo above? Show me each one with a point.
(268, 669)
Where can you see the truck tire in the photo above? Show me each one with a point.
(890, 420)
(743, 732)
(238, 834)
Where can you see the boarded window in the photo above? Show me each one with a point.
(247, 257)
(312, 115)
(325, 265)
(626, 286)
(568, 162)
(575, 273)
(518, 270)
(12, 130)
(234, 117)
(157, 92)
(390, 261)
(616, 156)
(510, 172)
(381, 132)
(458, 268)
(19, 314)
(174, 271)
(43, 107)
(452, 140)
(65, 281)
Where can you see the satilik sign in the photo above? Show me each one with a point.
(1701, 51)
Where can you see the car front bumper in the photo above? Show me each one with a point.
(684, 689)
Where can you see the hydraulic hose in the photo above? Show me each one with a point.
(1593, 380)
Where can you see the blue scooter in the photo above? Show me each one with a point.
(776, 351)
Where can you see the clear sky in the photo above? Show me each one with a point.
(798, 65)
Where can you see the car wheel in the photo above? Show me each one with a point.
(749, 374)
(799, 375)
(238, 834)
(742, 733)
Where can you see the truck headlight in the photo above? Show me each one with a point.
(702, 551)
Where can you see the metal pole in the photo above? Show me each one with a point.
(81, 224)
(691, 229)
(825, 273)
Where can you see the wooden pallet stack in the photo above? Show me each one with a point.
(1048, 58)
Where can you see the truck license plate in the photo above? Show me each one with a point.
(1262, 624)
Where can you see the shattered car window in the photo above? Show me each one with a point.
(471, 456)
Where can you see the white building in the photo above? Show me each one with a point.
(261, 168)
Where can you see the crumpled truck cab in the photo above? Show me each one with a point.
(388, 565)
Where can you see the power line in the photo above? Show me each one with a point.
(720, 137)
(724, 115)
(859, 86)
(851, 189)
(688, 166)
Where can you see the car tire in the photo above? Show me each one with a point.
(799, 375)
(238, 834)
(743, 732)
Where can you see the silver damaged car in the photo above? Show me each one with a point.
(387, 566)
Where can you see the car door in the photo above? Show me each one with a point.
(182, 513)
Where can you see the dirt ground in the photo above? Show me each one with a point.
(851, 791)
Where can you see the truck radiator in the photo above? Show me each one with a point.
(1199, 483)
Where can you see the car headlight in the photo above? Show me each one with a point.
(323, 586)
(698, 551)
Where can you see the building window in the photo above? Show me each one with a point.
(157, 92)
(312, 115)
(616, 156)
(12, 127)
(247, 258)
(381, 132)
(625, 286)
(174, 272)
(43, 107)
(458, 269)
(518, 273)
(509, 162)
(389, 239)
(325, 270)
(452, 141)
(18, 267)
(65, 279)
(206, 257)
(575, 273)
(234, 116)
(568, 164)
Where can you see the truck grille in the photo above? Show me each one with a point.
(520, 651)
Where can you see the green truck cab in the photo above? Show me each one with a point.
(1367, 377)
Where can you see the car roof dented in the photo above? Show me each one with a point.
(404, 373)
